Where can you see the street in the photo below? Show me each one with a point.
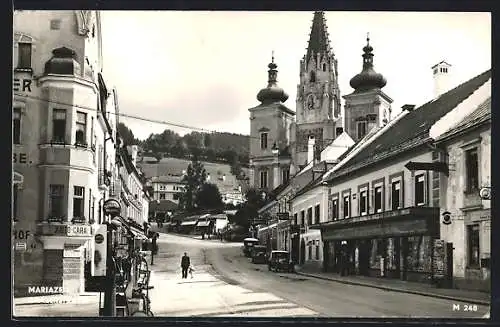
(226, 284)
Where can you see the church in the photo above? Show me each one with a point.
(283, 142)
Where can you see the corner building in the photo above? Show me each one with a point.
(57, 61)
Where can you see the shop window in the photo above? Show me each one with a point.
(263, 141)
(378, 199)
(473, 246)
(15, 191)
(419, 190)
(59, 125)
(302, 218)
(263, 179)
(24, 55)
(56, 197)
(78, 202)
(317, 213)
(335, 209)
(419, 253)
(295, 219)
(347, 206)
(16, 126)
(309, 216)
(381, 247)
(396, 195)
(472, 169)
(363, 202)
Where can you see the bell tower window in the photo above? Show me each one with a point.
(312, 77)
(324, 67)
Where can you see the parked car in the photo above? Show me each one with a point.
(280, 261)
(259, 254)
(248, 244)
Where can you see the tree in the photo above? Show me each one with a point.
(249, 209)
(195, 177)
(208, 197)
(126, 134)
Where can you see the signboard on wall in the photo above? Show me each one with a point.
(283, 216)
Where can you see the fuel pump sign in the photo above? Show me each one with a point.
(98, 265)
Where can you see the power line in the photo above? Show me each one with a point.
(150, 120)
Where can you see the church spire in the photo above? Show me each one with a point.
(272, 93)
(318, 39)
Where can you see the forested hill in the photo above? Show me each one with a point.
(217, 146)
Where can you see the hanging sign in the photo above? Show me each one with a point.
(112, 207)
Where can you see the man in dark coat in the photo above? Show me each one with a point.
(185, 263)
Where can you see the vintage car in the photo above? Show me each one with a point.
(280, 261)
(248, 244)
(259, 254)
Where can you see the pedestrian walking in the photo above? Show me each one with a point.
(185, 263)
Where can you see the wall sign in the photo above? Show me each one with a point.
(22, 85)
(78, 230)
(20, 158)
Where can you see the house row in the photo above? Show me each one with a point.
(409, 200)
(68, 158)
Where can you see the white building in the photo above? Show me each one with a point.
(168, 187)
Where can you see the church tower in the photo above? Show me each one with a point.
(318, 94)
(270, 124)
(368, 107)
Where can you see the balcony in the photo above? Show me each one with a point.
(104, 179)
(60, 152)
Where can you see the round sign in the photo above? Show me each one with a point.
(99, 238)
(112, 207)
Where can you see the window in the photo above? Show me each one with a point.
(309, 216)
(363, 202)
(92, 143)
(472, 168)
(90, 204)
(419, 190)
(324, 67)
(312, 77)
(335, 209)
(56, 198)
(55, 24)
(263, 179)
(295, 219)
(24, 55)
(263, 141)
(15, 191)
(317, 251)
(302, 218)
(81, 128)
(78, 201)
(378, 199)
(93, 209)
(361, 129)
(317, 214)
(286, 175)
(310, 252)
(347, 206)
(16, 126)
(396, 195)
(59, 125)
(473, 245)
(175, 196)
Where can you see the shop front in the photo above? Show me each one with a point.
(393, 244)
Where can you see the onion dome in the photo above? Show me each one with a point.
(368, 79)
(272, 93)
(63, 62)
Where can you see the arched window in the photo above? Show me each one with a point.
(23, 51)
(312, 77)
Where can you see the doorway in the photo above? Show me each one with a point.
(302, 251)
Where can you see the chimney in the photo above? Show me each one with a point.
(441, 73)
(408, 107)
(310, 149)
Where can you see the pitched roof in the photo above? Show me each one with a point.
(413, 128)
(481, 114)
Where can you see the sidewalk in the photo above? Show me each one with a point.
(396, 285)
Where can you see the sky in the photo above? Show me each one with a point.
(204, 69)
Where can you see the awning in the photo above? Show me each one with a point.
(137, 233)
(189, 223)
(203, 224)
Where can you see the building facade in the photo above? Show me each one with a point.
(57, 64)
(384, 199)
(465, 215)
(168, 187)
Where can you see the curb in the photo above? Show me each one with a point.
(386, 288)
